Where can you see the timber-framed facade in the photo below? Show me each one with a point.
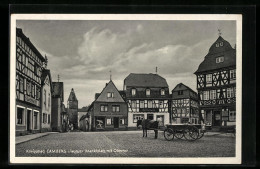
(29, 66)
(147, 97)
(216, 84)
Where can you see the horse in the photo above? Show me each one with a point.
(148, 124)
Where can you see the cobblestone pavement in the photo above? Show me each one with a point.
(125, 144)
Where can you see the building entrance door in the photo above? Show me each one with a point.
(150, 116)
(116, 122)
(29, 120)
(35, 122)
(217, 118)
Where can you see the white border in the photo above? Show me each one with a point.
(127, 160)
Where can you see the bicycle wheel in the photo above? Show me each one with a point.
(168, 134)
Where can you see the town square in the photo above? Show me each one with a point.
(125, 144)
(126, 88)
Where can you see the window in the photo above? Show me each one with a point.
(122, 121)
(217, 45)
(103, 108)
(110, 94)
(148, 92)
(21, 84)
(33, 90)
(230, 92)
(133, 92)
(44, 118)
(221, 44)
(232, 115)
(206, 95)
(20, 115)
(49, 99)
(209, 79)
(161, 104)
(109, 121)
(220, 59)
(232, 74)
(141, 104)
(137, 117)
(28, 88)
(162, 92)
(38, 93)
(180, 92)
(44, 95)
(49, 118)
(213, 94)
(116, 108)
(150, 104)
(133, 104)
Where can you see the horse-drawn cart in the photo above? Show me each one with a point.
(190, 132)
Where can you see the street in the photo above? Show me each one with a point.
(124, 144)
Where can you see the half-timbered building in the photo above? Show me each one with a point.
(184, 105)
(29, 65)
(216, 84)
(109, 110)
(147, 97)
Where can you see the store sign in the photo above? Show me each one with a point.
(149, 110)
(31, 100)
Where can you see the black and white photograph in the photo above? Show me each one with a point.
(126, 89)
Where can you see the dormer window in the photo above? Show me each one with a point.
(220, 59)
(162, 92)
(219, 44)
(133, 92)
(148, 92)
(110, 94)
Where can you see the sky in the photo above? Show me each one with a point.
(83, 53)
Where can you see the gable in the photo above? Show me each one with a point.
(110, 88)
(47, 80)
(180, 87)
(226, 51)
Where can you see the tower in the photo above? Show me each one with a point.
(72, 107)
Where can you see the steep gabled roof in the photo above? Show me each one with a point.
(181, 86)
(72, 96)
(110, 87)
(209, 62)
(45, 73)
(19, 32)
(145, 80)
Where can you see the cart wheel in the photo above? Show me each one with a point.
(191, 133)
(178, 134)
(168, 134)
